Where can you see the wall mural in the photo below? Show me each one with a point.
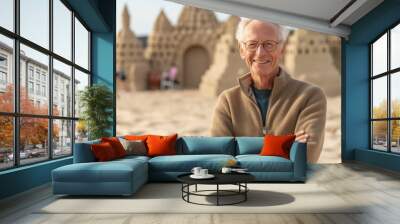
(168, 80)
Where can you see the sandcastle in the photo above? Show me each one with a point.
(206, 54)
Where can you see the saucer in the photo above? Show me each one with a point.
(208, 176)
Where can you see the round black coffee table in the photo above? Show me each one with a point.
(238, 179)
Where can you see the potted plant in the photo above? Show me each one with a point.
(96, 102)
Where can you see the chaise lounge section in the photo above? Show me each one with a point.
(88, 177)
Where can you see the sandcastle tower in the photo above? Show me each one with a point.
(310, 56)
(160, 46)
(227, 65)
(189, 45)
(132, 66)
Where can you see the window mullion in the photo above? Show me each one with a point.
(50, 81)
(371, 124)
(73, 82)
(16, 84)
(89, 54)
(389, 76)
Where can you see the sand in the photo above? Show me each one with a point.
(188, 113)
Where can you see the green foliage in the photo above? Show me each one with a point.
(96, 102)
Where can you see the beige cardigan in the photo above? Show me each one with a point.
(293, 106)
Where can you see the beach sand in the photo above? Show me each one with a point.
(187, 113)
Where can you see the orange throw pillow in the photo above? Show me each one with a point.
(277, 145)
(103, 152)
(116, 145)
(136, 137)
(161, 145)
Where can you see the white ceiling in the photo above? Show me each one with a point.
(317, 15)
(321, 9)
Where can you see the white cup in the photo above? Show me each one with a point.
(196, 171)
(203, 172)
(226, 170)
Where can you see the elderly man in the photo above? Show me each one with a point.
(267, 99)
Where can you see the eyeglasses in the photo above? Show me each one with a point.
(268, 45)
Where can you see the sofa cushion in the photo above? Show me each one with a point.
(191, 145)
(116, 145)
(132, 158)
(135, 137)
(249, 145)
(111, 171)
(277, 145)
(257, 163)
(134, 147)
(161, 145)
(103, 152)
(185, 163)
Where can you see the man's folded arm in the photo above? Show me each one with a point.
(312, 120)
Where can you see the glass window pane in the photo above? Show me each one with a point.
(35, 21)
(62, 138)
(395, 94)
(379, 98)
(379, 56)
(62, 89)
(81, 45)
(395, 136)
(6, 74)
(7, 14)
(379, 135)
(33, 139)
(81, 131)
(395, 47)
(6, 142)
(81, 81)
(34, 72)
(62, 29)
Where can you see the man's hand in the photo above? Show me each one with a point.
(301, 136)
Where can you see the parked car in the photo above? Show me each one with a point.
(22, 155)
(10, 157)
(28, 154)
(57, 152)
(38, 152)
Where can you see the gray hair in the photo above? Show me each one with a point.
(283, 31)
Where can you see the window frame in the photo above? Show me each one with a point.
(3, 74)
(3, 71)
(16, 115)
(388, 74)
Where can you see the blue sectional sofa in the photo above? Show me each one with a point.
(125, 176)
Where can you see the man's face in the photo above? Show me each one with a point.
(260, 61)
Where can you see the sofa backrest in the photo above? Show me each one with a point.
(192, 145)
(249, 145)
(83, 152)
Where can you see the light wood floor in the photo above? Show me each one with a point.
(378, 188)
